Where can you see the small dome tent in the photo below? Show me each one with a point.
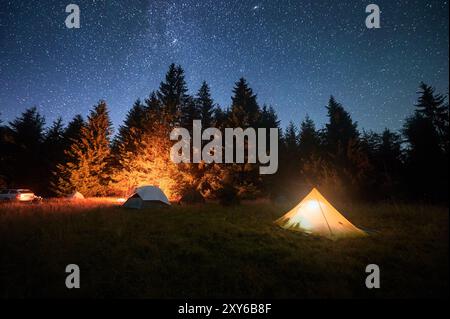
(145, 197)
(76, 196)
(315, 215)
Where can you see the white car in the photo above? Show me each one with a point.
(20, 195)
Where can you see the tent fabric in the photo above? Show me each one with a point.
(145, 197)
(315, 215)
(76, 195)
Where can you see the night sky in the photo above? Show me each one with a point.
(294, 53)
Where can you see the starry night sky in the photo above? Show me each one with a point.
(294, 53)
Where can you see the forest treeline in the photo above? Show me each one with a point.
(339, 158)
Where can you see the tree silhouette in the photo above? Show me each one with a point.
(336, 157)
(245, 111)
(27, 133)
(205, 105)
(89, 171)
(173, 94)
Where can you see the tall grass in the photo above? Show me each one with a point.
(212, 251)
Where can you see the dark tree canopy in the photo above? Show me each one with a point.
(245, 111)
(205, 104)
(341, 161)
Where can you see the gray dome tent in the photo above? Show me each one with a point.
(145, 197)
(76, 196)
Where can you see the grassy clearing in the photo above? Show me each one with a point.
(212, 251)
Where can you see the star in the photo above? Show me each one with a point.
(294, 56)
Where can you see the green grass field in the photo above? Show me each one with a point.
(212, 251)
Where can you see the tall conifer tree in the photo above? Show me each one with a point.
(89, 171)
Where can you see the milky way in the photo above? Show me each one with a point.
(295, 54)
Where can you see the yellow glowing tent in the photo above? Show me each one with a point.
(315, 215)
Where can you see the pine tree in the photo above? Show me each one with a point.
(205, 105)
(88, 170)
(27, 133)
(309, 139)
(72, 133)
(53, 147)
(432, 106)
(135, 125)
(291, 141)
(390, 152)
(4, 155)
(28, 129)
(289, 170)
(190, 112)
(340, 130)
(54, 135)
(149, 164)
(173, 94)
(344, 151)
(245, 111)
(220, 118)
(427, 156)
(269, 118)
(154, 110)
(384, 152)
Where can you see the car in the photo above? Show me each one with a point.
(20, 195)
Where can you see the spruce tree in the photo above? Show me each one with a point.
(88, 170)
(53, 147)
(173, 95)
(4, 155)
(154, 111)
(28, 129)
(27, 134)
(73, 130)
(344, 151)
(269, 118)
(309, 139)
(205, 105)
(426, 133)
(340, 130)
(291, 140)
(149, 164)
(220, 118)
(71, 135)
(134, 126)
(245, 111)
(390, 152)
(190, 112)
(431, 105)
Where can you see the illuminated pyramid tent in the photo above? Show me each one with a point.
(145, 197)
(315, 215)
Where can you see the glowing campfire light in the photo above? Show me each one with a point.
(121, 200)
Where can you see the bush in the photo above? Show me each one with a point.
(228, 196)
(2, 182)
(192, 196)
